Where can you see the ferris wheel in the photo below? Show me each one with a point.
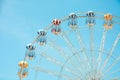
(80, 46)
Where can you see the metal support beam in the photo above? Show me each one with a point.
(110, 52)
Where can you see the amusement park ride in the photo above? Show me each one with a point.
(75, 51)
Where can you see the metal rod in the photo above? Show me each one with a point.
(111, 51)
(64, 55)
(91, 29)
(53, 60)
(112, 65)
(112, 73)
(83, 49)
(49, 72)
(101, 48)
(73, 50)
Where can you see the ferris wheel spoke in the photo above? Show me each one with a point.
(59, 49)
(53, 73)
(112, 73)
(81, 72)
(101, 50)
(112, 65)
(83, 49)
(111, 51)
(53, 60)
(63, 54)
(73, 50)
(91, 29)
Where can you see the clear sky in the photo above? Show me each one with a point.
(21, 19)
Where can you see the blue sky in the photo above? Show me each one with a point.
(21, 19)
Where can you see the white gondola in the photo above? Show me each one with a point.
(90, 21)
(42, 32)
(30, 46)
(72, 21)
